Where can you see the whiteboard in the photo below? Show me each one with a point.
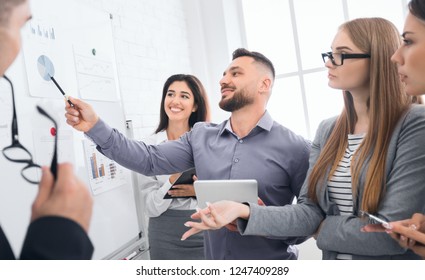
(79, 42)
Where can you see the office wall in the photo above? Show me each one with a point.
(151, 44)
(155, 39)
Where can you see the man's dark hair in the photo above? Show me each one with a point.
(417, 8)
(6, 7)
(258, 57)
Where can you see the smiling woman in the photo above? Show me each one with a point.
(184, 102)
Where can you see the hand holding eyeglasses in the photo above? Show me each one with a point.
(16, 152)
(68, 197)
(81, 116)
(60, 192)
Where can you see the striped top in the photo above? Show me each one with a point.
(339, 186)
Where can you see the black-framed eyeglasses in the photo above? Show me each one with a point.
(337, 59)
(16, 152)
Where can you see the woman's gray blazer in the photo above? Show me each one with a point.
(405, 195)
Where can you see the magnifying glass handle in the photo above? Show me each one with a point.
(69, 101)
(61, 90)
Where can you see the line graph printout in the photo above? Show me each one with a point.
(44, 143)
(95, 75)
(104, 174)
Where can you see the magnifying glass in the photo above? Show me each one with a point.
(47, 71)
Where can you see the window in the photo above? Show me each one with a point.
(301, 30)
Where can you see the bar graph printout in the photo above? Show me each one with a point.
(104, 174)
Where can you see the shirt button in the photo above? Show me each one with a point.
(241, 141)
(236, 160)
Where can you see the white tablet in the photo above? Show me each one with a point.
(216, 190)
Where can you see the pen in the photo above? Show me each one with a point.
(129, 257)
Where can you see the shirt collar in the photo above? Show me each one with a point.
(161, 137)
(266, 123)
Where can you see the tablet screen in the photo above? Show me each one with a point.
(216, 190)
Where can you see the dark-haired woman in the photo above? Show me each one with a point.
(410, 60)
(184, 102)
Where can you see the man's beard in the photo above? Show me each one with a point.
(238, 101)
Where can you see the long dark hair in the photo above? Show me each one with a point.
(417, 8)
(199, 94)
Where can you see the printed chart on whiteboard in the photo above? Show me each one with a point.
(44, 139)
(95, 74)
(45, 47)
(104, 173)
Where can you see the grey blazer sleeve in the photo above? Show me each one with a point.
(405, 194)
(298, 220)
